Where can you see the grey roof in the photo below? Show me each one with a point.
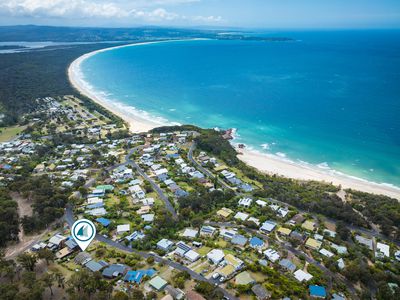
(239, 240)
(103, 263)
(175, 293)
(114, 270)
(287, 264)
(82, 258)
(94, 266)
(260, 292)
(71, 244)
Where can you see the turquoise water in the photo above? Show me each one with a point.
(329, 98)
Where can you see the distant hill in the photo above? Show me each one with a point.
(32, 33)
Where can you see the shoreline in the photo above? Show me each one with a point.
(138, 120)
(141, 121)
(270, 164)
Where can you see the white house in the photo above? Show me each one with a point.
(215, 256)
(268, 226)
(192, 255)
(246, 202)
(241, 216)
(383, 249)
(300, 275)
(165, 244)
(272, 254)
(123, 228)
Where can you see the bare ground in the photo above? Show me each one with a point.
(25, 241)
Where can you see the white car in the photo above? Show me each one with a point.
(215, 275)
(222, 279)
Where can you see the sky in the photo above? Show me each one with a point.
(199, 13)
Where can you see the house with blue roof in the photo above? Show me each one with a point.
(256, 243)
(137, 276)
(103, 221)
(317, 291)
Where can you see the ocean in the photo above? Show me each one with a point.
(327, 98)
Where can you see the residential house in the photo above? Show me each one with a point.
(241, 216)
(271, 255)
(121, 229)
(317, 291)
(260, 292)
(165, 245)
(246, 202)
(215, 256)
(313, 244)
(158, 283)
(364, 241)
(301, 276)
(256, 243)
(114, 270)
(244, 278)
(207, 230)
(268, 226)
(287, 264)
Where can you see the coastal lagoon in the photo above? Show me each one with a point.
(327, 99)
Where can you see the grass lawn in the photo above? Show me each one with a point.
(201, 267)
(59, 268)
(222, 243)
(204, 250)
(8, 133)
(259, 277)
(228, 251)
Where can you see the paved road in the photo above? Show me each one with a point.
(155, 186)
(70, 219)
(288, 247)
(204, 170)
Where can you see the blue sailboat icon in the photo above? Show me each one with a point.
(83, 231)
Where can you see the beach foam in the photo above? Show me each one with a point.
(279, 163)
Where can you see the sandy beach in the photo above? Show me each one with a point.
(141, 121)
(274, 165)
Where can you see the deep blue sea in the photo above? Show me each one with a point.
(330, 98)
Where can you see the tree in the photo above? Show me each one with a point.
(27, 260)
(60, 279)
(120, 295)
(48, 280)
(137, 294)
(342, 230)
(28, 279)
(151, 295)
(8, 291)
(46, 254)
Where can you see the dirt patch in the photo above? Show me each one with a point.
(24, 205)
(25, 241)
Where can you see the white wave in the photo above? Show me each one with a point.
(265, 146)
(324, 165)
(281, 154)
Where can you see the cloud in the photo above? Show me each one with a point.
(134, 10)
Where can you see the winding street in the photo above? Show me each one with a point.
(163, 197)
(204, 170)
(70, 219)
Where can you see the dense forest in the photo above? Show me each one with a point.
(26, 76)
(48, 201)
(9, 221)
(381, 210)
